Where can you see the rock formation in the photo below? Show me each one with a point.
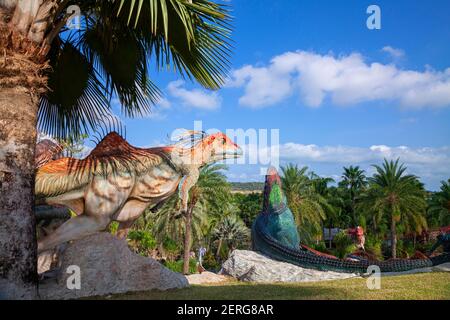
(107, 266)
(253, 266)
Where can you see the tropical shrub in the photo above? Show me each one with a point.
(405, 249)
(320, 246)
(344, 244)
(177, 266)
(142, 241)
(373, 246)
(210, 262)
(425, 247)
(113, 227)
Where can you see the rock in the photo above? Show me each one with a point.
(445, 267)
(107, 266)
(253, 266)
(207, 277)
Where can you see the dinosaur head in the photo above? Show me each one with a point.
(274, 199)
(198, 148)
(219, 146)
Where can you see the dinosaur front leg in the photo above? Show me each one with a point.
(73, 229)
(186, 184)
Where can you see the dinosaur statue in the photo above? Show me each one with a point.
(274, 233)
(117, 182)
(46, 150)
(442, 240)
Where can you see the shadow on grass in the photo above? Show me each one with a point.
(237, 292)
(419, 286)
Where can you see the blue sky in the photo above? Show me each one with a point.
(338, 93)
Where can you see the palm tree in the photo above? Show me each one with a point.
(211, 188)
(231, 231)
(397, 196)
(168, 223)
(439, 208)
(337, 217)
(65, 80)
(205, 199)
(307, 205)
(320, 184)
(354, 180)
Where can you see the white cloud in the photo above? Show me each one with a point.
(158, 110)
(372, 154)
(394, 52)
(431, 165)
(194, 98)
(164, 103)
(345, 80)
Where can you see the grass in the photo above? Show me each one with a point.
(427, 286)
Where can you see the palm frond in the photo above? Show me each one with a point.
(76, 100)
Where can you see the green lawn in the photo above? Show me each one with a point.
(418, 286)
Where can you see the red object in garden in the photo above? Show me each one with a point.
(357, 233)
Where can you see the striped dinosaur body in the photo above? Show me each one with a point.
(274, 234)
(117, 182)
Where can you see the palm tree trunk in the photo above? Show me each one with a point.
(18, 254)
(393, 238)
(219, 246)
(187, 242)
(329, 236)
(355, 222)
(22, 26)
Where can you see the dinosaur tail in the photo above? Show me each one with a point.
(269, 246)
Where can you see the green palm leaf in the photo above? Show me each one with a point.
(119, 40)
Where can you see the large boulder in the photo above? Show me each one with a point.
(107, 266)
(445, 267)
(253, 266)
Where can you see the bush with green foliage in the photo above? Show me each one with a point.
(344, 245)
(113, 227)
(319, 246)
(170, 245)
(373, 246)
(142, 241)
(425, 247)
(210, 262)
(405, 249)
(177, 266)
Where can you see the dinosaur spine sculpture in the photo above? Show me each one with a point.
(117, 182)
(274, 233)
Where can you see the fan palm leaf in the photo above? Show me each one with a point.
(118, 42)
